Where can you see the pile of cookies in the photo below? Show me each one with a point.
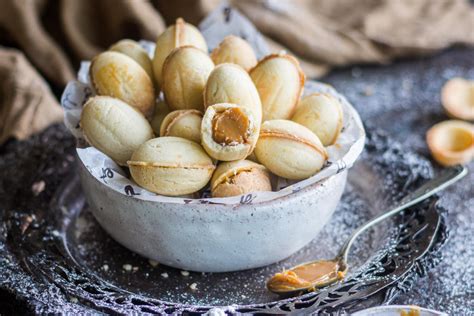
(224, 118)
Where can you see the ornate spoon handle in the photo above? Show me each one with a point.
(447, 177)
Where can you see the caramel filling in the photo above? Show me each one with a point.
(411, 312)
(454, 139)
(230, 127)
(231, 179)
(310, 275)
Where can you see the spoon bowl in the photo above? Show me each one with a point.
(307, 276)
(320, 273)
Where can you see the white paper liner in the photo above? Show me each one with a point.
(215, 27)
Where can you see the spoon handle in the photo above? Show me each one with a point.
(447, 177)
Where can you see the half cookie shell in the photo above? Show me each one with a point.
(451, 142)
(183, 123)
(229, 132)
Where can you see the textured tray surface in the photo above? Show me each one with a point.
(71, 251)
(404, 100)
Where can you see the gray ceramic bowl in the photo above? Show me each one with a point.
(214, 237)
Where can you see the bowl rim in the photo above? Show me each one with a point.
(209, 204)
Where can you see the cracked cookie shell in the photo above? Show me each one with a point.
(279, 81)
(234, 50)
(171, 166)
(183, 123)
(185, 74)
(230, 83)
(133, 50)
(177, 35)
(114, 127)
(117, 75)
(239, 177)
(290, 150)
(451, 142)
(229, 131)
(322, 114)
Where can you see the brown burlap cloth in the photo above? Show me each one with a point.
(55, 35)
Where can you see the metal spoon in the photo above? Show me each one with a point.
(319, 273)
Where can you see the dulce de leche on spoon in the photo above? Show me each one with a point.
(307, 276)
(319, 273)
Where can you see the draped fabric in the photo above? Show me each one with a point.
(54, 35)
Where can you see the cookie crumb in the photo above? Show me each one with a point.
(38, 187)
(164, 275)
(193, 286)
(25, 223)
(184, 273)
(406, 85)
(153, 263)
(368, 91)
(127, 267)
(135, 269)
(105, 267)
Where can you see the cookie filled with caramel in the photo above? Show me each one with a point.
(239, 177)
(230, 83)
(229, 132)
(230, 127)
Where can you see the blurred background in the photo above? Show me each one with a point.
(43, 41)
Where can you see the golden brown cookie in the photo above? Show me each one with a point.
(177, 35)
(119, 76)
(290, 150)
(185, 74)
(230, 83)
(114, 127)
(234, 50)
(183, 123)
(239, 177)
(229, 132)
(322, 114)
(279, 81)
(133, 50)
(171, 166)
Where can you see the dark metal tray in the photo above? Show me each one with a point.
(68, 263)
